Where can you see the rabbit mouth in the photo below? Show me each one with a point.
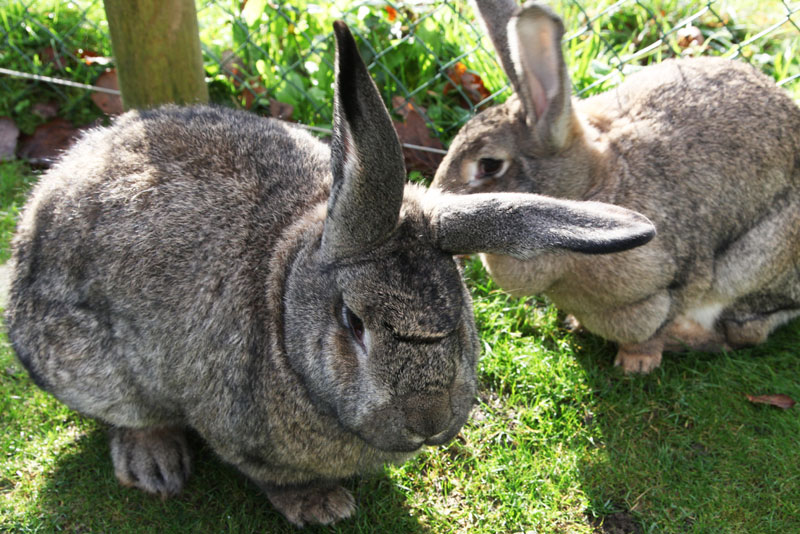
(443, 437)
(406, 439)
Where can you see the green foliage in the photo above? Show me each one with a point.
(15, 179)
(286, 53)
(50, 38)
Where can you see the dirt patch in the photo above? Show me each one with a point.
(618, 523)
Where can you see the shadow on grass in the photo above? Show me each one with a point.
(682, 450)
(82, 495)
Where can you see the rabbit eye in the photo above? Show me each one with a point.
(488, 167)
(355, 324)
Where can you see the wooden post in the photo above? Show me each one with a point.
(157, 52)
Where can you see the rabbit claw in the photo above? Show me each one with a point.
(155, 459)
(639, 358)
(313, 505)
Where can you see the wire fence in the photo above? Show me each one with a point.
(428, 57)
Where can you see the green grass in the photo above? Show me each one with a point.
(15, 178)
(50, 38)
(559, 441)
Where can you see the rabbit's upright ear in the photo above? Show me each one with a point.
(543, 84)
(522, 225)
(495, 15)
(366, 158)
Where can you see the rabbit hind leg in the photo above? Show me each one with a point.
(741, 332)
(696, 330)
(71, 351)
(764, 261)
(689, 332)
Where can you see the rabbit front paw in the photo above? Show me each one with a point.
(639, 357)
(155, 459)
(313, 505)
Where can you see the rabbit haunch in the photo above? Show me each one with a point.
(706, 148)
(297, 306)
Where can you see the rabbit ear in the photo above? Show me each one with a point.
(495, 15)
(522, 225)
(366, 158)
(544, 87)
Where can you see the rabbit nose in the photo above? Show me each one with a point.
(428, 415)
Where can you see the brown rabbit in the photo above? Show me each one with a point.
(707, 148)
(297, 306)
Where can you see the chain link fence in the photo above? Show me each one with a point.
(428, 57)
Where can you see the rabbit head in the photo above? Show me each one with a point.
(667, 143)
(534, 140)
(396, 360)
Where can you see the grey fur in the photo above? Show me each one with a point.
(706, 148)
(495, 14)
(191, 268)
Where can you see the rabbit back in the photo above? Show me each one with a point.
(164, 204)
(707, 148)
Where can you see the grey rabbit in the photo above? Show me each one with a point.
(707, 148)
(297, 306)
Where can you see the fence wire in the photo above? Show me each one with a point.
(428, 57)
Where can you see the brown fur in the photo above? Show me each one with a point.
(706, 148)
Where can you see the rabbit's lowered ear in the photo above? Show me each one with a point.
(543, 85)
(367, 161)
(522, 225)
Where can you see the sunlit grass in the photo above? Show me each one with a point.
(560, 441)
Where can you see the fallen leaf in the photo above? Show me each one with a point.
(280, 110)
(252, 90)
(50, 56)
(93, 58)
(9, 133)
(781, 401)
(414, 131)
(689, 36)
(108, 103)
(250, 86)
(47, 142)
(45, 110)
(471, 84)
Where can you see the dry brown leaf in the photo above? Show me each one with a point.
(780, 400)
(471, 84)
(250, 86)
(45, 110)
(414, 131)
(93, 58)
(50, 56)
(108, 103)
(252, 90)
(9, 133)
(280, 110)
(689, 36)
(47, 142)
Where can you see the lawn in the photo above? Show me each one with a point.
(559, 442)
